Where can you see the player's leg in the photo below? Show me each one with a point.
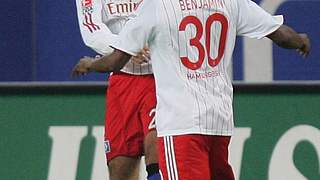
(147, 117)
(219, 165)
(123, 134)
(184, 157)
(151, 155)
(150, 148)
(124, 168)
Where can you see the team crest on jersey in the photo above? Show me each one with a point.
(107, 147)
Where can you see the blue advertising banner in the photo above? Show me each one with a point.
(40, 41)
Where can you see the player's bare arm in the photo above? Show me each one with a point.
(82, 67)
(286, 37)
(111, 63)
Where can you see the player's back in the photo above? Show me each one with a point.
(202, 32)
(197, 40)
(191, 43)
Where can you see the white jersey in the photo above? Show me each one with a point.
(191, 44)
(100, 22)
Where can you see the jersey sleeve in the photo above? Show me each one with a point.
(138, 31)
(255, 22)
(94, 32)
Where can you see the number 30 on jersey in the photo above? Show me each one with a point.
(205, 50)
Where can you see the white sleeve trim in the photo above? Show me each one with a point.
(279, 21)
(123, 50)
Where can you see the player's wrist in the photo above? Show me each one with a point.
(303, 38)
(89, 64)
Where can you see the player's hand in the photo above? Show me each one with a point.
(82, 67)
(305, 49)
(142, 57)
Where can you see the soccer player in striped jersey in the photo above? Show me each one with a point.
(191, 44)
(130, 98)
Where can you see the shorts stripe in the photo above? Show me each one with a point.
(174, 158)
(170, 158)
(161, 176)
(166, 156)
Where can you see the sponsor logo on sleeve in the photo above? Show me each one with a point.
(87, 10)
(86, 3)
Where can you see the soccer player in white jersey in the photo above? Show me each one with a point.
(130, 98)
(191, 44)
